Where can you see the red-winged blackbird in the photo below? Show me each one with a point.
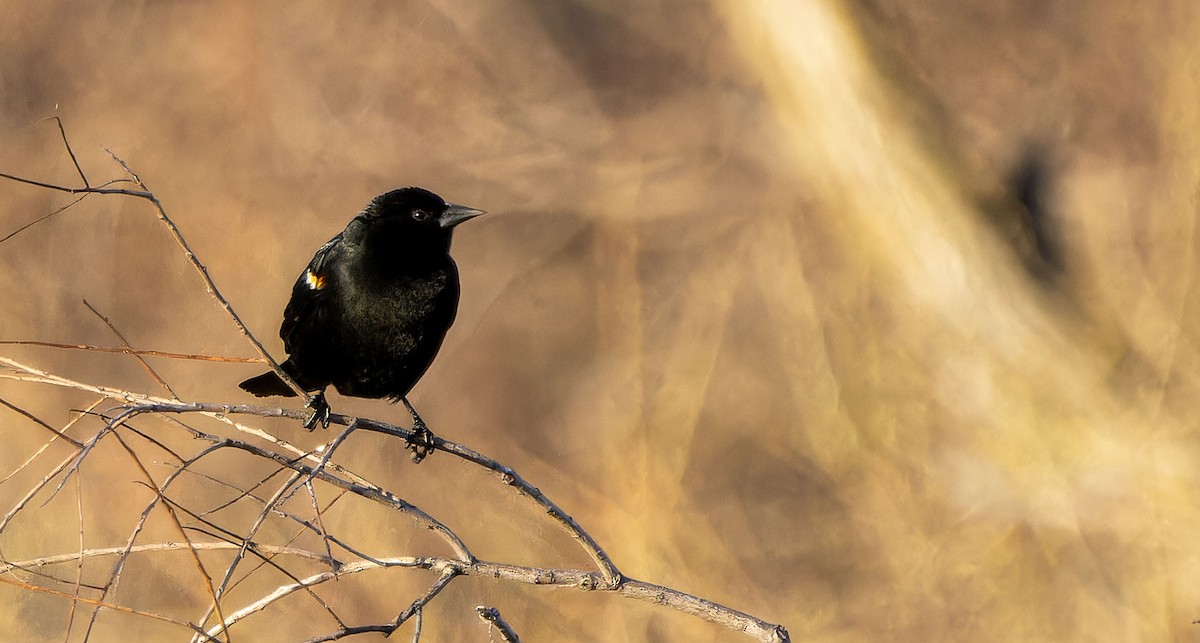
(369, 313)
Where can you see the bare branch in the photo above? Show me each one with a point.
(612, 575)
(605, 580)
(418, 620)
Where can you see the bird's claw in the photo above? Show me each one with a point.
(320, 412)
(421, 441)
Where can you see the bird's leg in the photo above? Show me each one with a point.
(321, 411)
(421, 441)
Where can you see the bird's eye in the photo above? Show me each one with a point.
(420, 215)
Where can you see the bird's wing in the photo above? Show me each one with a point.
(311, 296)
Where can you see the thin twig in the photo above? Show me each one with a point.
(38, 421)
(58, 434)
(41, 219)
(112, 606)
(21, 372)
(37, 488)
(321, 471)
(120, 336)
(114, 576)
(449, 573)
(79, 566)
(131, 351)
(317, 520)
(492, 616)
(607, 580)
(572, 578)
(256, 550)
(612, 575)
(387, 629)
(209, 284)
(141, 194)
(67, 144)
(352, 631)
(418, 620)
(204, 575)
(249, 537)
(102, 552)
(305, 526)
(374, 493)
(308, 582)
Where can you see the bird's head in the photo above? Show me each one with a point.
(419, 212)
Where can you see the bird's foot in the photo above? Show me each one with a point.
(421, 440)
(320, 412)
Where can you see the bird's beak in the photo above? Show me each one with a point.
(456, 214)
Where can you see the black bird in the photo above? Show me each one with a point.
(370, 312)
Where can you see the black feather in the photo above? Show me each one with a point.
(370, 311)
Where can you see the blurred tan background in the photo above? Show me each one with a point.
(875, 319)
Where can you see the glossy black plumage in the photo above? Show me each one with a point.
(370, 311)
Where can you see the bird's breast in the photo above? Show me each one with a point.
(395, 311)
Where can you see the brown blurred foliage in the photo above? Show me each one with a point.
(872, 318)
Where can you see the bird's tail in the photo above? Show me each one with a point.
(266, 385)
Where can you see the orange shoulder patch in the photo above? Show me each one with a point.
(314, 281)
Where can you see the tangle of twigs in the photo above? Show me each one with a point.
(123, 418)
